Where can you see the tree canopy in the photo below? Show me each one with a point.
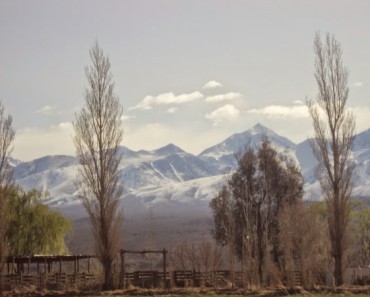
(246, 210)
(34, 228)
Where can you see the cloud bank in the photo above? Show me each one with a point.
(167, 98)
(34, 142)
(223, 97)
(281, 111)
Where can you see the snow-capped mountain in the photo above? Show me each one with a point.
(167, 165)
(170, 180)
(224, 154)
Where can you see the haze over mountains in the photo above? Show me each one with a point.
(170, 181)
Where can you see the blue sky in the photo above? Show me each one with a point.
(186, 72)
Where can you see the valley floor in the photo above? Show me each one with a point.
(146, 232)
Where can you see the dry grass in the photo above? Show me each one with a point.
(200, 292)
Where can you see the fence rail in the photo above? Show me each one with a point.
(49, 280)
(143, 279)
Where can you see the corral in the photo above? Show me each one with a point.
(49, 271)
(81, 272)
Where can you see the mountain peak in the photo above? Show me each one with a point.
(259, 128)
(225, 151)
(169, 149)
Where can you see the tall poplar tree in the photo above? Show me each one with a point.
(334, 127)
(98, 136)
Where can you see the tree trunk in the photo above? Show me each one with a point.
(260, 245)
(108, 277)
(338, 254)
(338, 268)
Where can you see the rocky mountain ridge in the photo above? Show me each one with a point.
(170, 181)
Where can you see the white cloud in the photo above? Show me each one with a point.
(34, 142)
(358, 84)
(362, 115)
(280, 111)
(63, 126)
(172, 110)
(212, 84)
(298, 102)
(47, 110)
(226, 112)
(167, 98)
(150, 136)
(223, 97)
(126, 118)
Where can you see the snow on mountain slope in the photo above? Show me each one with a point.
(222, 155)
(361, 154)
(170, 180)
(361, 174)
(362, 141)
(140, 171)
(25, 169)
(306, 160)
(192, 195)
(170, 164)
(54, 174)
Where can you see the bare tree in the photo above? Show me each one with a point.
(221, 206)
(223, 231)
(304, 243)
(98, 136)
(179, 257)
(263, 184)
(360, 227)
(7, 135)
(210, 255)
(334, 128)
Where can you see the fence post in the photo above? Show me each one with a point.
(122, 272)
(164, 268)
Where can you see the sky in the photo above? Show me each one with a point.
(186, 72)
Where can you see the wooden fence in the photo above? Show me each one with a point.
(53, 281)
(56, 272)
(59, 272)
(142, 279)
(183, 278)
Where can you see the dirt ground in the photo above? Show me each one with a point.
(195, 292)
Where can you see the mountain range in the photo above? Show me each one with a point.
(171, 181)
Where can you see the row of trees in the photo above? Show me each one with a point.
(256, 208)
(247, 209)
(259, 214)
(265, 187)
